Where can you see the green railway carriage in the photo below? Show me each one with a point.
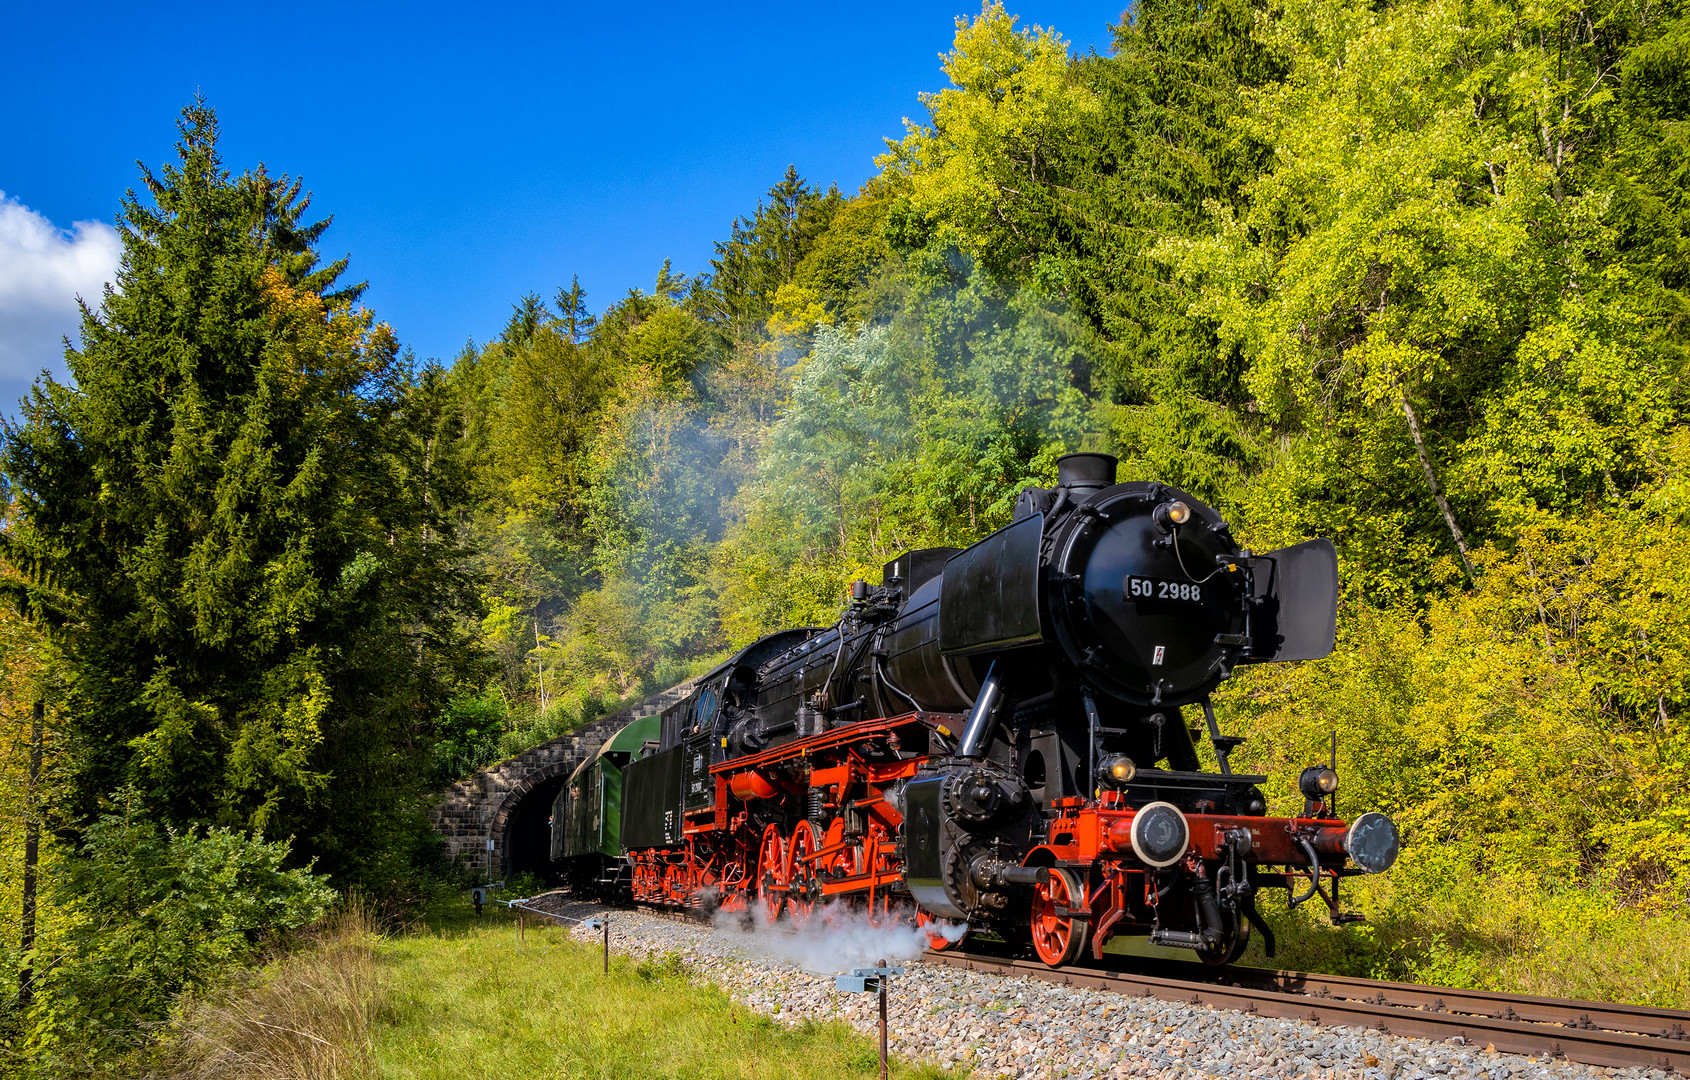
(586, 834)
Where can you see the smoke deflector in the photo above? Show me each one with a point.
(990, 596)
(1296, 617)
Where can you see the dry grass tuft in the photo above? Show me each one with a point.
(306, 1015)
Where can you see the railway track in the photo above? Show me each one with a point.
(1592, 1033)
(1588, 1032)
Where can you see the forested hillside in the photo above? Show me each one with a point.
(1410, 275)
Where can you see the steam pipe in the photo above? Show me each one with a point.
(980, 719)
(1208, 908)
(1091, 745)
(1314, 873)
(887, 683)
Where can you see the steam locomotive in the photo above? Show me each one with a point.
(1000, 739)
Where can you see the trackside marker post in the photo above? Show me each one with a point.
(881, 983)
(603, 923)
(871, 980)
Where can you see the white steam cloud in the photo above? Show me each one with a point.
(43, 269)
(835, 940)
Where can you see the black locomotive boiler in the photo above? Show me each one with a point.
(1002, 738)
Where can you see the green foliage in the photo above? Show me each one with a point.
(764, 252)
(155, 912)
(306, 1015)
(1503, 933)
(600, 451)
(850, 269)
(888, 443)
(983, 173)
(469, 730)
(233, 521)
(1164, 148)
(1430, 286)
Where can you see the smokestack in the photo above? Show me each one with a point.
(1085, 473)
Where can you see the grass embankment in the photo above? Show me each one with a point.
(464, 1001)
(306, 1015)
(456, 998)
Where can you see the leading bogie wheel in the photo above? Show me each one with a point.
(935, 931)
(1230, 949)
(1058, 937)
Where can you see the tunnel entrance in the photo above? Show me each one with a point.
(527, 840)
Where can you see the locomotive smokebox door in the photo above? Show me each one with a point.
(1147, 594)
(1297, 617)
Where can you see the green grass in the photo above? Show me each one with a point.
(461, 1000)
(1493, 934)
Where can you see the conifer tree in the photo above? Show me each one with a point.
(574, 317)
(235, 530)
(764, 251)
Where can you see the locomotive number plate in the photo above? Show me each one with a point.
(1143, 588)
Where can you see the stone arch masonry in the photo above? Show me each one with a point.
(474, 810)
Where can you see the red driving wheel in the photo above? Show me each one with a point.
(802, 890)
(771, 873)
(1058, 937)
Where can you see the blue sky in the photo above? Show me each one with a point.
(467, 154)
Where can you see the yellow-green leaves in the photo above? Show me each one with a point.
(1004, 130)
(1427, 285)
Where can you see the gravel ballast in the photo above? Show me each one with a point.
(1021, 1028)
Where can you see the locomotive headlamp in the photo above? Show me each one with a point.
(1317, 782)
(1120, 769)
(1160, 834)
(1171, 515)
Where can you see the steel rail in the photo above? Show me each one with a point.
(1589, 1032)
(1671, 1024)
(1510, 1023)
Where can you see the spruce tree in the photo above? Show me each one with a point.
(236, 531)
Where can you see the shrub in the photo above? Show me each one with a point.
(153, 913)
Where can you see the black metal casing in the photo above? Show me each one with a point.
(651, 814)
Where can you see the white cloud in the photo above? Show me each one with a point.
(43, 269)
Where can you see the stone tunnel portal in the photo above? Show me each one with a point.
(494, 823)
(527, 834)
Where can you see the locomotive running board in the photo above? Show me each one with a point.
(944, 723)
